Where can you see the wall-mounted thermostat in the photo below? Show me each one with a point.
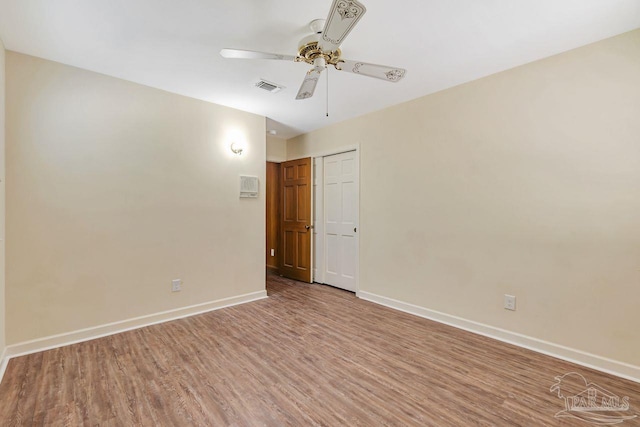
(248, 186)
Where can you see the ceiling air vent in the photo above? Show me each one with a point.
(268, 86)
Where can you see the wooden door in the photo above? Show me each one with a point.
(341, 220)
(296, 219)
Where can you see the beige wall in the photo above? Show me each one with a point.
(2, 204)
(526, 182)
(113, 190)
(276, 149)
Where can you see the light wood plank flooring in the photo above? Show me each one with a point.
(307, 355)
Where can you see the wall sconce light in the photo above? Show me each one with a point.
(237, 148)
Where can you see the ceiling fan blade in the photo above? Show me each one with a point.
(252, 54)
(308, 86)
(343, 16)
(383, 72)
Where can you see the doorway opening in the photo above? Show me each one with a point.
(312, 219)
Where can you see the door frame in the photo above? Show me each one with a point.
(318, 205)
(317, 199)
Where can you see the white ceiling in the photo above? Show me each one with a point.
(173, 45)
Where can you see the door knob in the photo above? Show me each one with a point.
(355, 229)
(307, 227)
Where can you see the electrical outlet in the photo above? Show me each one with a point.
(176, 285)
(509, 302)
(273, 252)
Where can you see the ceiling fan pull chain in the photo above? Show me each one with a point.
(327, 91)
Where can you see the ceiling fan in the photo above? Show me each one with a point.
(323, 48)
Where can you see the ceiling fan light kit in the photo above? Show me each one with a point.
(322, 48)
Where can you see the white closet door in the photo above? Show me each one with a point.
(341, 220)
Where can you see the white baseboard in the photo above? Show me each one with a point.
(60, 340)
(613, 367)
(4, 361)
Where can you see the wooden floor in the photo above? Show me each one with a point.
(307, 355)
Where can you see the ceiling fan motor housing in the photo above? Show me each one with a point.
(309, 51)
